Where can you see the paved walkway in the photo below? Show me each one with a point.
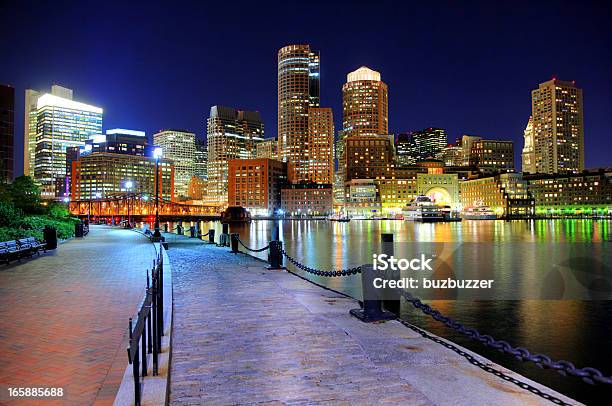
(245, 335)
(63, 316)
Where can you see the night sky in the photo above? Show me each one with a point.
(469, 69)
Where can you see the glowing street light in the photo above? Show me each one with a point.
(157, 154)
(128, 185)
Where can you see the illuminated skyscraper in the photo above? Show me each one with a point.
(60, 123)
(321, 145)
(30, 120)
(364, 110)
(364, 104)
(298, 90)
(231, 134)
(179, 147)
(429, 142)
(7, 132)
(558, 127)
(201, 159)
(528, 158)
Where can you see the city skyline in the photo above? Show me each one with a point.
(489, 99)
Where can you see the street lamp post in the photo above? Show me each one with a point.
(157, 154)
(128, 186)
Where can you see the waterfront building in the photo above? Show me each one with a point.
(268, 148)
(506, 194)
(7, 132)
(60, 123)
(30, 124)
(365, 110)
(321, 145)
(298, 90)
(493, 156)
(467, 142)
(119, 141)
(197, 189)
(588, 193)
(558, 127)
(362, 198)
(369, 157)
(105, 174)
(231, 134)
(441, 188)
(255, 184)
(179, 147)
(307, 199)
(528, 156)
(397, 192)
(201, 159)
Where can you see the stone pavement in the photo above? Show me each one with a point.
(63, 316)
(246, 335)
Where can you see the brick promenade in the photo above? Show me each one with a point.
(63, 316)
(243, 335)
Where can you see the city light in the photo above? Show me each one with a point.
(128, 184)
(158, 152)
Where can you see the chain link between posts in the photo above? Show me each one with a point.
(252, 249)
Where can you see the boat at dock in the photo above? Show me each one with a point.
(424, 210)
(481, 212)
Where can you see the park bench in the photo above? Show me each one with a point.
(34, 245)
(10, 250)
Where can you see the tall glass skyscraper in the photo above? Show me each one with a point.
(178, 146)
(60, 123)
(231, 134)
(298, 90)
(7, 132)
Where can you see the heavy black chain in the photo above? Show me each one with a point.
(332, 273)
(473, 360)
(588, 374)
(251, 249)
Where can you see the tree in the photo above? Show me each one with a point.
(25, 195)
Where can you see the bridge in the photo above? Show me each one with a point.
(142, 208)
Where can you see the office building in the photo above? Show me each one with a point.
(493, 156)
(105, 174)
(201, 159)
(231, 134)
(268, 148)
(428, 143)
(60, 123)
(7, 132)
(321, 145)
(119, 141)
(364, 103)
(179, 147)
(506, 194)
(30, 124)
(256, 184)
(452, 155)
(298, 90)
(572, 195)
(558, 127)
(197, 188)
(528, 156)
(307, 199)
(405, 150)
(369, 157)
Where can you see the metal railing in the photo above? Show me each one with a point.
(148, 327)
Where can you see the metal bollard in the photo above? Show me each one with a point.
(211, 236)
(276, 255)
(372, 304)
(192, 232)
(234, 243)
(165, 227)
(179, 229)
(390, 303)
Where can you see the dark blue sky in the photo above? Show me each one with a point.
(467, 68)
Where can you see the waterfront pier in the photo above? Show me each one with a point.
(246, 335)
